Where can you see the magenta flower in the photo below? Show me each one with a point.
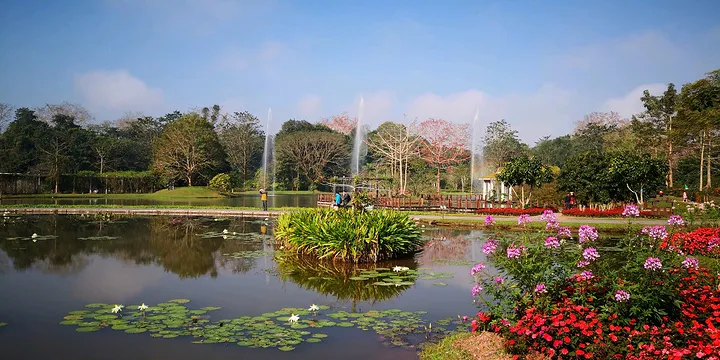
(499, 280)
(490, 246)
(621, 296)
(476, 290)
(464, 318)
(676, 220)
(540, 289)
(655, 232)
(586, 275)
(489, 220)
(523, 219)
(631, 210)
(477, 268)
(653, 263)
(713, 243)
(587, 233)
(583, 263)
(515, 252)
(552, 242)
(590, 254)
(547, 215)
(690, 263)
(552, 224)
(564, 231)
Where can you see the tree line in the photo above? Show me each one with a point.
(671, 144)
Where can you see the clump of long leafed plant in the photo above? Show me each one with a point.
(353, 236)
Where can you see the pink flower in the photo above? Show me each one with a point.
(621, 296)
(515, 252)
(564, 231)
(490, 246)
(587, 233)
(690, 263)
(653, 263)
(676, 220)
(540, 289)
(552, 242)
(476, 290)
(586, 275)
(583, 263)
(552, 224)
(523, 219)
(499, 280)
(631, 210)
(655, 232)
(547, 215)
(489, 220)
(590, 254)
(477, 268)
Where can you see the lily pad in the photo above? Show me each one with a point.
(87, 328)
(179, 301)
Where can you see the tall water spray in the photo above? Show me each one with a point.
(474, 161)
(266, 149)
(358, 142)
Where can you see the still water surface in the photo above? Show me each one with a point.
(153, 260)
(242, 200)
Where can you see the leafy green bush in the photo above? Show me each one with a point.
(220, 182)
(351, 236)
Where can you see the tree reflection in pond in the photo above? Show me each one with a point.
(333, 278)
(172, 243)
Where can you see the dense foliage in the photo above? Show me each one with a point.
(352, 236)
(575, 295)
(606, 158)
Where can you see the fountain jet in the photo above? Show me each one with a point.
(358, 142)
(266, 149)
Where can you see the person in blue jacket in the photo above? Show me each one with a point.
(338, 199)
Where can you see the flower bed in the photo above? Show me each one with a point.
(567, 295)
(617, 212)
(703, 241)
(512, 212)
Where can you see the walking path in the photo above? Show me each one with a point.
(274, 213)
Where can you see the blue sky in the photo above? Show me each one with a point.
(541, 65)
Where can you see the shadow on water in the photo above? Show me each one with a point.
(221, 262)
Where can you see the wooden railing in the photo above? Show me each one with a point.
(460, 203)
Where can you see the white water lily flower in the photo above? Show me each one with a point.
(142, 307)
(293, 318)
(397, 269)
(117, 309)
(225, 237)
(225, 231)
(34, 235)
(266, 219)
(314, 307)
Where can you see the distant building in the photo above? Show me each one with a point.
(494, 189)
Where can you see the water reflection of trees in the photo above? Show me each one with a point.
(162, 241)
(447, 246)
(331, 278)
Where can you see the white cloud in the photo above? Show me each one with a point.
(630, 104)
(117, 90)
(310, 107)
(547, 111)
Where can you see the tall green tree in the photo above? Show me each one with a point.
(656, 123)
(243, 139)
(65, 148)
(698, 120)
(586, 175)
(188, 149)
(524, 170)
(640, 174)
(316, 155)
(501, 143)
(19, 143)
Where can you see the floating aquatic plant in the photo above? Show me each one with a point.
(34, 238)
(233, 235)
(250, 254)
(283, 329)
(99, 238)
(2, 324)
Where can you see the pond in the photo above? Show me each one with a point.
(80, 260)
(240, 200)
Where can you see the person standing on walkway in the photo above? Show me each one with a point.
(338, 199)
(263, 198)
